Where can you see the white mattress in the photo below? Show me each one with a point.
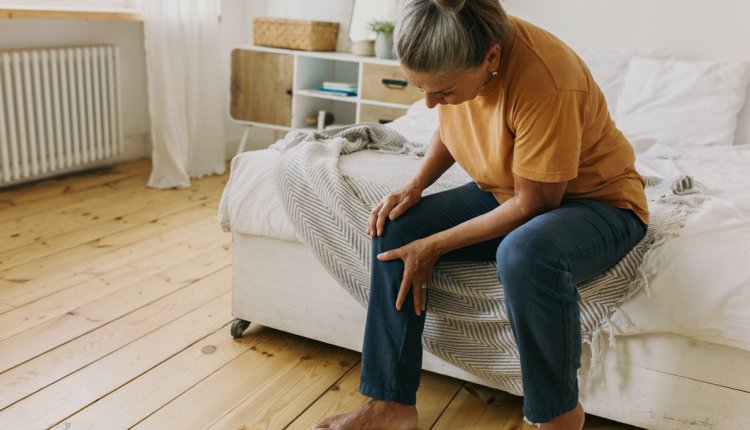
(701, 288)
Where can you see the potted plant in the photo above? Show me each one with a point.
(383, 38)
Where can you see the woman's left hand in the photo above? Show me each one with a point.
(420, 258)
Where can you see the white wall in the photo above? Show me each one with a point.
(691, 29)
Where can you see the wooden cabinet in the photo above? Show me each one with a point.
(278, 88)
(386, 83)
(262, 87)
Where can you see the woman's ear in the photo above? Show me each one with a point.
(493, 56)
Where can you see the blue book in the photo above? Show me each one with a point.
(338, 92)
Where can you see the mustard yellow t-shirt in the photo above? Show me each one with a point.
(545, 119)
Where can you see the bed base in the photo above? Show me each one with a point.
(655, 381)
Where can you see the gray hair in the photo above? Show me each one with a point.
(434, 36)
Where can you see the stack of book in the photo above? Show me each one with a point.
(345, 89)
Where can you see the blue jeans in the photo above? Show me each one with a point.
(539, 265)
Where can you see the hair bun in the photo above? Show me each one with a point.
(451, 5)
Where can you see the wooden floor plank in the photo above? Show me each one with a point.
(72, 198)
(106, 215)
(56, 271)
(107, 204)
(435, 392)
(68, 325)
(138, 399)
(84, 387)
(69, 184)
(92, 260)
(47, 353)
(110, 267)
(84, 235)
(287, 394)
(476, 407)
(341, 397)
(36, 227)
(47, 308)
(220, 393)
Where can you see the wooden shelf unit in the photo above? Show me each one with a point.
(276, 88)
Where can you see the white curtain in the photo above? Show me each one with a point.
(184, 89)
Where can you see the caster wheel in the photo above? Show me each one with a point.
(238, 327)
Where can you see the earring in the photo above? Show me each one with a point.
(493, 73)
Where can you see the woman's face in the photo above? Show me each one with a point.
(451, 88)
(454, 88)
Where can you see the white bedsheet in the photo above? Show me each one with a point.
(702, 284)
(701, 288)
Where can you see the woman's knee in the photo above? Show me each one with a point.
(396, 233)
(523, 255)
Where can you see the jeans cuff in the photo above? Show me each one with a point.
(406, 397)
(544, 415)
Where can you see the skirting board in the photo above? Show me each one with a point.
(655, 381)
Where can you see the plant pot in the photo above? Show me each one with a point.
(384, 45)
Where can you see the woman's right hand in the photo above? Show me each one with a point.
(392, 206)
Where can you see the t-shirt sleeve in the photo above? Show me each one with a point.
(548, 133)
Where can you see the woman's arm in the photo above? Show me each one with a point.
(435, 163)
(531, 198)
(420, 257)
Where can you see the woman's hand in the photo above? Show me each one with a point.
(392, 206)
(420, 258)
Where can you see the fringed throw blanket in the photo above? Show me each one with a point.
(466, 320)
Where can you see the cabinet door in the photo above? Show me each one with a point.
(261, 87)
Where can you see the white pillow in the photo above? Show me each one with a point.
(419, 123)
(609, 69)
(684, 102)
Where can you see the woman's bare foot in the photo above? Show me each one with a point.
(375, 414)
(572, 420)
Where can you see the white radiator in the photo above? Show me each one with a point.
(59, 110)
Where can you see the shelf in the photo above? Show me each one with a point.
(320, 95)
(38, 13)
(309, 71)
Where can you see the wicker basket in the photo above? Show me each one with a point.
(295, 34)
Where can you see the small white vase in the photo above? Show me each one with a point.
(384, 45)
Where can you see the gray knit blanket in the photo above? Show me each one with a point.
(466, 322)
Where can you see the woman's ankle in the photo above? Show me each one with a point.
(571, 420)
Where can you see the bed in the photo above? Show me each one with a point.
(679, 350)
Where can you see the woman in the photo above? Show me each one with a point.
(555, 200)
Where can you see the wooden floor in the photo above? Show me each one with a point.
(115, 313)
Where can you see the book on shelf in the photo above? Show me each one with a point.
(341, 86)
(342, 93)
